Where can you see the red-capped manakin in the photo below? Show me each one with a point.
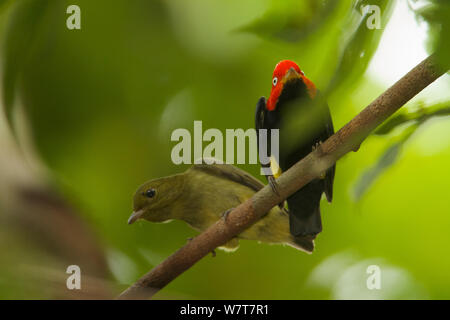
(304, 121)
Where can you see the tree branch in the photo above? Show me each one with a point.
(347, 139)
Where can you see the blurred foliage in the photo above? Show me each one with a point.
(387, 159)
(360, 45)
(292, 20)
(436, 13)
(417, 117)
(285, 20)
(390, 155)
(99, 105)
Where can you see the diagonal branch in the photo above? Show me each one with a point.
(347, 139)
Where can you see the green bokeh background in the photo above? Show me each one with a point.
(94, 110)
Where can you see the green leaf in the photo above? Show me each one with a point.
(436, 13)
(416, 117)
(291, 20)
(390, 155)
(21, 33)
(386, 160)
(361, 45)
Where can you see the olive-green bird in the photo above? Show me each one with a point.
(202, 194)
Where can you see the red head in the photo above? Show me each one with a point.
(285, 71)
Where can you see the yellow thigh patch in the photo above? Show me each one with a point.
(275, 167)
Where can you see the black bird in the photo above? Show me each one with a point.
(304, 121)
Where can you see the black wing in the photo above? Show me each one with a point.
(260, 123)
(329, 177)
(260, 113)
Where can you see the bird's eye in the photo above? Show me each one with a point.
(275, 81)
(150, 193)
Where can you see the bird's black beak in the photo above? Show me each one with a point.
(290, 75)
(135, 216)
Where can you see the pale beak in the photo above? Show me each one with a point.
(135, 216)
(291, 75)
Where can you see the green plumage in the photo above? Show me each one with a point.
(201, 195)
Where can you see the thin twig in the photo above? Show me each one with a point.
(347, 139)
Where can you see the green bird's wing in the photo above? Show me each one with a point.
(229, 172)
(272, 228)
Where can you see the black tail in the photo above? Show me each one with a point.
(308, 226)
(304, 212)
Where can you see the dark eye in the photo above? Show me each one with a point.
(150, 193)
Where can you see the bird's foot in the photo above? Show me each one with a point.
(226, 213)
(281, 205)
(274, 185)
(283, 209)
(316, 146)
